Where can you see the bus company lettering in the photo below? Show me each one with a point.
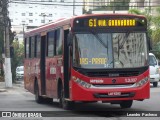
(96, 81)
(130, 80)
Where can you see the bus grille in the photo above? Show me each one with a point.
(112, 74)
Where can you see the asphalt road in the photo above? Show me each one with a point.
(19, 99)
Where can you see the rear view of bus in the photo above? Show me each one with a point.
(109, 59)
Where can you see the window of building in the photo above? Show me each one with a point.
(42, 21)
(50, 43)
(23, 14)
(30, 14)
(58, 42)
(30, 21)
(50, 15)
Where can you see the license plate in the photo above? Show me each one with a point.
(114, 93)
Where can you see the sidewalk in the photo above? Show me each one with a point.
(17, 84)
(2, 87)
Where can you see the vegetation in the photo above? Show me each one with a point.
(115, 5)
(1, 50)
(153, 28)
(18, 54)
(18, 57)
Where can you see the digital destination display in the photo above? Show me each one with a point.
(108, 22)
(111, 23)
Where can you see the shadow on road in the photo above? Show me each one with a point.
(91, 110)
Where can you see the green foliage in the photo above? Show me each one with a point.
(18, 57)
(115, 5)
(153, 28)
(1, 48)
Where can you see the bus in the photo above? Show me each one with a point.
(89, 58)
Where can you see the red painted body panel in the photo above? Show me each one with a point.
(31, 72)
(53, 73)
(79, 93)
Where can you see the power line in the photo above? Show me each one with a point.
(74, 3)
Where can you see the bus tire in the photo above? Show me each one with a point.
(155, 84)
(67, 105)
(126, 104)
(48, 100)
(38, 99)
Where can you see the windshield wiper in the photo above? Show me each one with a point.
(99, 39)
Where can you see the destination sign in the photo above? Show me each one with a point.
(111, 23)
(107, 22)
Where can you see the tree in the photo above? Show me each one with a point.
(153, 28)
(18, 57)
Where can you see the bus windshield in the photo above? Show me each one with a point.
(110, 50)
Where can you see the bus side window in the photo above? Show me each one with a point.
(51, 43)
(27, 47)
(38, 44)
(35, 46)
(32, 47)
(59, 42)
(25, 41)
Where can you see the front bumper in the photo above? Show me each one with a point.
(154, 78)
(19, 77)
(79, 93)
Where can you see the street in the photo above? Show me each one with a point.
(19, 99)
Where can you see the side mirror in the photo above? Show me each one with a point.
(70, 39)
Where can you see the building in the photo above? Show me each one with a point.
(145, 4)
(28, 14)
(90, 5)
(106, 6)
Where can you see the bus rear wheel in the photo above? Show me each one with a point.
(67, 105)
(38, 98)
(126, 104)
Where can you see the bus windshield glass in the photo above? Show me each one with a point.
(110, 50)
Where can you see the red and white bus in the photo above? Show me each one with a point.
(89, 58)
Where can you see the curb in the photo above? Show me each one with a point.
(3, 90)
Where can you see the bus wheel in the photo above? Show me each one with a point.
(67, 105)
(38, 98)
(48, 100)
(155, 84)
(126, 104)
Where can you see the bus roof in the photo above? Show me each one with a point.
(66, 21)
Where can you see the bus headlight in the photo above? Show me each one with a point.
(141, 82)
(82, 83)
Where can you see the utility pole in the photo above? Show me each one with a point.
(8, 74)
(23, 28)
(114, 6)
(73, 7)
